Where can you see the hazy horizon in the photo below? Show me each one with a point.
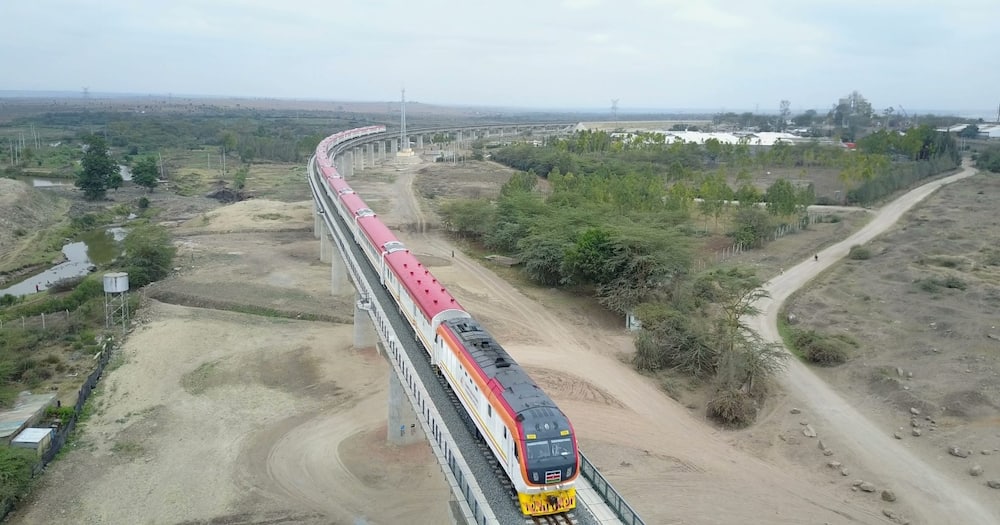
(986, 114)
(710, 55)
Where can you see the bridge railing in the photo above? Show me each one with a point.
(611, 496)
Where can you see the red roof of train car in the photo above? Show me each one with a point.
(339, 184)
(353, 202)
(429, 294)
(329, 172)
(377, 232)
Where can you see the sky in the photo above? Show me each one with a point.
(715, 55)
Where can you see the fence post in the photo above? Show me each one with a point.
(43, 320)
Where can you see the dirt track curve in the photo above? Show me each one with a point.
(936, 496)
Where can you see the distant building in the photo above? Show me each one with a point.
(990, 131)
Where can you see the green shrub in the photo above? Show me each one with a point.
(65, 285)
(945, 261)
(9, 299)
(64, 414)
(934, 284)
(859, 253)
(15, 471)
(148, 254)
(143, 203)
(954, 282)
(822, 349)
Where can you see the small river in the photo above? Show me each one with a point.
(93, 248)
(45, 182)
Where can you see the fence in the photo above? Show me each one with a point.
(65, 430)
(611, 496)
(43, 321)
(778, 232)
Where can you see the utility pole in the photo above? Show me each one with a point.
(404, 142)
(160, 155)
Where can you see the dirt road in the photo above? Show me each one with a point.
(936, 497)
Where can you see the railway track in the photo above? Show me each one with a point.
(563, 518)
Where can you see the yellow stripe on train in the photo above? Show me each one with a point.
(542, 504)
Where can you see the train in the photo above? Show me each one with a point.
(531, 438)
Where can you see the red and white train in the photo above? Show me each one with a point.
(531, 438)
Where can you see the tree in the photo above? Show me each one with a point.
(784, 112)
(744, 357)
(805, 119)
(970, 132)
(97, 170)
(751, 226)
(116, 180)
(148, 254)
(145, 173)
(240, 179)
(781, 198)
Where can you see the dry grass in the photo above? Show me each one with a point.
(927, 302)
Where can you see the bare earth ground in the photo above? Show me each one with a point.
(221, 417)
(229, 418)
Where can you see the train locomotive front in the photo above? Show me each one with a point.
(550, 462)
(530, 437)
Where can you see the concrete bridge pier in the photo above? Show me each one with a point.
(381, 149)
(359, 158)
(364, 330)
(348, 165)
(403, 427)
(394, 147)
(420, 142)
(370, 150)
(340, 283)
(338, 164)
(325, 247)
(318, 226)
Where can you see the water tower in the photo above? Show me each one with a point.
(116, 299)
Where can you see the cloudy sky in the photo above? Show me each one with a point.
(695, 54)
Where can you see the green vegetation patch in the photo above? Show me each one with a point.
(823, 349)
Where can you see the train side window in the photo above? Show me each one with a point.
(489, 410)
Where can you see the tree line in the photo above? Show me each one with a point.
(621, 218)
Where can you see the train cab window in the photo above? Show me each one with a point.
(489, 410)
(562, 447)
(538, 450)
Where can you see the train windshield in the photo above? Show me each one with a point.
(554, 448)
